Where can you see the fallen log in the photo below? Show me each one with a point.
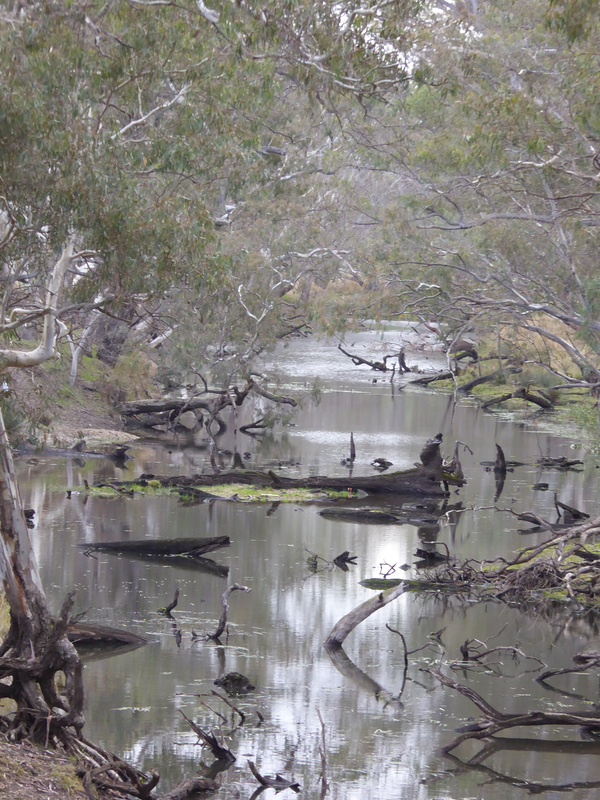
(491, 376)
(163, 548)
(559, 463)
(521, 394)
(89, 633)
(417, 482)
(211, 401)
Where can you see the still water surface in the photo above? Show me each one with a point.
(375, 747)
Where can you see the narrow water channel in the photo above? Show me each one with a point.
(375, 742)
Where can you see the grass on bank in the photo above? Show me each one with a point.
(572, 407)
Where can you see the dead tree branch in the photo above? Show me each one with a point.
(347, 623)
(494, 721)
(224, 598)
(276, 782)
(218, 750)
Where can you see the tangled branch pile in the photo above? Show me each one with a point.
(563, 569)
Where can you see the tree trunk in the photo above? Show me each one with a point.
(36, 646)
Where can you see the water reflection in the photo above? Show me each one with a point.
(275, 633)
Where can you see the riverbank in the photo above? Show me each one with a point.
(32, 773)
(572, 413)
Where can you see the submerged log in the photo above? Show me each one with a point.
(368, 515)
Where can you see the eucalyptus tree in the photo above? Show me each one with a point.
(115, 121)
(127, 130)
(498, 202)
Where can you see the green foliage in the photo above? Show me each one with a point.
(132, 377)
(575, 18)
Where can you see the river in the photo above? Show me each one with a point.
(373, 743)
